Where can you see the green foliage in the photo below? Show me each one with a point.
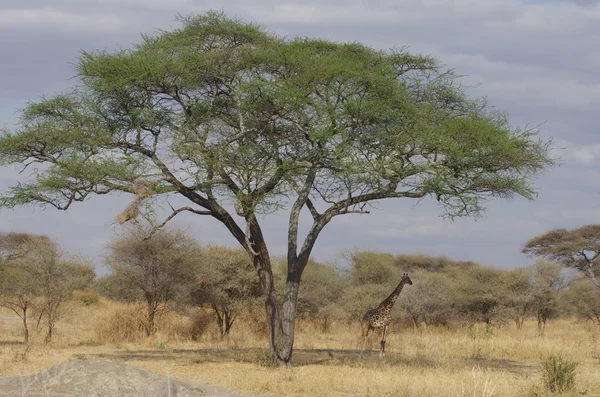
(578, 249)
(86, 301)
(221, 111)
(479, 296)
(369, 267)
(360, 298)
(558, 374)
(36, 268)
(430, 300)
(151, 270)
(226, 283)
(399, 123)
(582, 299)
(321, 293)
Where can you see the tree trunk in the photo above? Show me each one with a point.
(280, 325)
(219, 320)
(519, 322)
(150, 322)
(541, 325)
(229, 319)
(288, 316)
(25, 327)
(50, 330)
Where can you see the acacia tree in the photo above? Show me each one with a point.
(37, 267)
(222, 111)
(321, 293)
(17, 289)
(431, 302)
(547, 281)
(152, 270)
(584, 300)
(577, 249)
(226, 282)
(518, 284)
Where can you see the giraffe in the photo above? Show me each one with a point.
(380, 317)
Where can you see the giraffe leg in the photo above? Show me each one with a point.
(382, 343)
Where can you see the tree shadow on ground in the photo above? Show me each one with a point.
(11, 343)
(302, 357)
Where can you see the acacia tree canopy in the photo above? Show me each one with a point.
(578, 249)
(222, 111)
(152, 270)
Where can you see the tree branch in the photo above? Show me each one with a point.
(175, 213)
(301, 200)
(340, 208)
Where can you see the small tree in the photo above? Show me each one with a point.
(583, 299)
(577, 249)
(40, 267)
(222, 112)
(17, 289)
(156, 270)
(370, 267)
(547, 282)
(321, 293)
(479, 296)
(226, 281)
(519, 299)
(430, 301)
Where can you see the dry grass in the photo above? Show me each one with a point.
(426, 362)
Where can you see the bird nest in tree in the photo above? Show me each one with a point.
(142, 190)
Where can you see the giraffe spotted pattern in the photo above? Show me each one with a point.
(380, 317)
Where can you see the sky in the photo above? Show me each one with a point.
(539, 61)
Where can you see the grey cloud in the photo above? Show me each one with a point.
(538, 62)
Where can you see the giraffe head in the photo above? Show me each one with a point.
(406, 279)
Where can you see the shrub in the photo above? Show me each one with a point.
(123, 323)
(200, 321)
(558, 374)
(86, 298)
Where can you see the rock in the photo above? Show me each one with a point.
(99, 378)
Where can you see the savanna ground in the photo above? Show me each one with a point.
(478, 361)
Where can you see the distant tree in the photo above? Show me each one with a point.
(429, 301)
(226, 281)
(519, 297)
(357, 299)
(222, 111)
(17, 289)
(41, 268)
(321, 293)
(116, 287)
(152, 270)
(431, 263)
(479, 296)
(583, 299)
(577, 249)
(547, 282)
(371, 267)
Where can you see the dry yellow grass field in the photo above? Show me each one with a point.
(424, 362)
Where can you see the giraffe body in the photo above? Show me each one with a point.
(380, 317)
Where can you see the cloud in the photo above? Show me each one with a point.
(60, 21)
(587, 155)
(579, 154)
(536, 60)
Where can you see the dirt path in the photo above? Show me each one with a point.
(102, 378)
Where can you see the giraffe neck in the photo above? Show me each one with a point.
(390, 300)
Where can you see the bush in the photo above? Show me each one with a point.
(558, 374)
(86, 298)
(200, 321)
(123, 323)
